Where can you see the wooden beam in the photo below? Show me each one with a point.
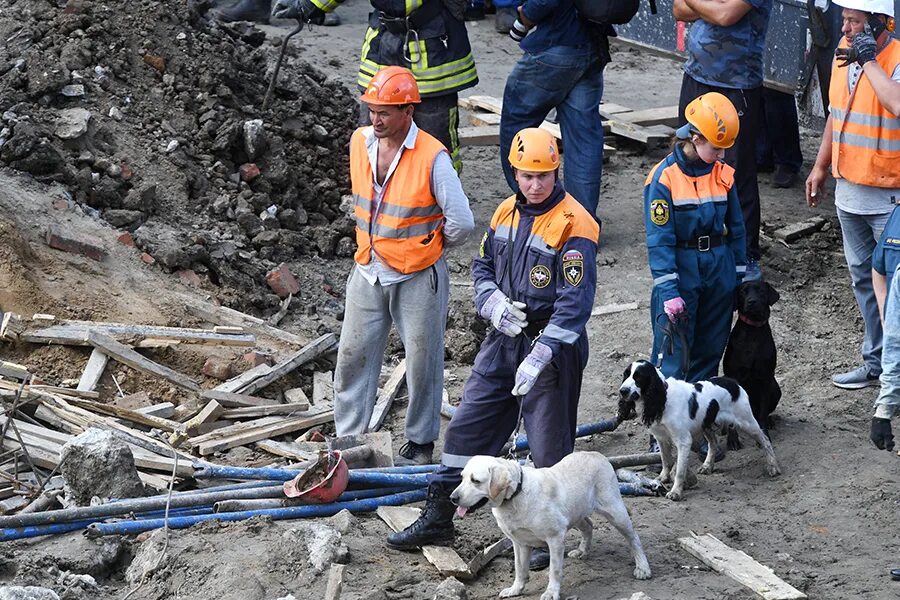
(236, 383)
(163, 410)
(484, 119)
(64, 391)
(249, 412)
(287, 426)
(739, 566)
(76, 333)
(386, 396)
(608, 309)
(290, 450)
(611, 108)
(488, 103)
(314, 349)
(335, 582)
(93, 371)
(126, 413)
(222, 315)
(479, 136)
(663, 115)
(127, 356)
(211, 412)
(13, 370)
(232, 400)
(444, 558)
(652, 137)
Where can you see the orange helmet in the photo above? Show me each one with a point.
(534, 149)
(713, 116)
(392, 86)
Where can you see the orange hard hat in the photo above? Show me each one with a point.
(534, 149)
(392, 86)
(713, 116)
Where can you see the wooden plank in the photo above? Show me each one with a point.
(323, 388)
(76, 333)
(481, 560)
(294, 424)
(488, 103)
(444, 558)
(386, 396)
(335, 582)
(290, 450)
(316, 348)
(236, 429)
(232, 400)
(228, 329)
(611, 108)
(653, 137)
(484, 119)
(479, 136)
(126, 413)
(222, 315)
(236, 383)
(295, 395)
(795, 231)
(488, 119)
(211, 412)
(127, 356)
(608, 309)
(93, 371)
(64, 391)
(739, 566)
(163, 410)
(663, 115)
(12, 370)
(265, 411)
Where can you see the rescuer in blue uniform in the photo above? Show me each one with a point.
(535, 278)
(695, 240)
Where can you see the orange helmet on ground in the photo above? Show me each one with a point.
(392, 86)
(534, 149)
(713, 116)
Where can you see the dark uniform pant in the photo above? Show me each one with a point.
(741, 156)
(488, 413)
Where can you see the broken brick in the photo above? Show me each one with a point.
(218, 368)
(248, 171)
(189, 277)
(255, 358)
(157, 62)
(148, 259)
(282, 282)
(127, 172)
(84, 245)
(126, 239)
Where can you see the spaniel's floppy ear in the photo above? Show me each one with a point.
(499, 482)
(653, 393)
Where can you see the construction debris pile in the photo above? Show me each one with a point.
(150, 115)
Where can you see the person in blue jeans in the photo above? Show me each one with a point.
(886, 259)
(778, 142)
(562, 68)
(888, 403)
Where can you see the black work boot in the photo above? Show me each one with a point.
(434, 526)
(246, 10)
(539, 560)
(412, 454)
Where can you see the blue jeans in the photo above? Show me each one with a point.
(571, 80)
(861, 234)
(889, 398)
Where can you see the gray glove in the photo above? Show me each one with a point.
(302, 10)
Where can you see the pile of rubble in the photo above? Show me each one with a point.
(150, 114)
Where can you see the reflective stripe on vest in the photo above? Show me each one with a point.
(406, 233)
(865, 140)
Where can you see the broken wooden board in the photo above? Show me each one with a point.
(252, 412)
(222, 315)
(386, 396)
(444, 558)
(134, 416)
(232, 400)
(64, 391)
(653, 137)
(297, 422)
(795, 231)
(739, 566)
(664, 115)
(488, 554)
(609, 309)
(75, 333)
(93, 371)
(12, 370)
(323, 388)
(291, 450)
(314, 349)
(236, 383)
(127, 356)
(211, 412)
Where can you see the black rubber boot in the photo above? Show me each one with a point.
(246, 10)
(433, 527)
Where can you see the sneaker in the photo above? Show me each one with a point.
(857, 379)
(412, 454)
(783, 177)
(504, 19)
(754, 273)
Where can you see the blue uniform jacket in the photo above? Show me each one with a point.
(557, 24)
(553, 269)
(684, 200)
(886, 257)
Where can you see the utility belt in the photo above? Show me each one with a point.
(413, 21)
(535, 328)
(702, 243)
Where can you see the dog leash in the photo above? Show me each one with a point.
(671, 330)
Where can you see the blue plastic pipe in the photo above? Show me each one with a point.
(261, 503)
(580, 431)
(370, 478)
(294, 512)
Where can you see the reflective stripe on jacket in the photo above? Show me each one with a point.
(407, 230)
(865, 146)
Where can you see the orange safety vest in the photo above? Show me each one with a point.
(407, 232)
(865, 146)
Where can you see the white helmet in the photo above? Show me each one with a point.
(882, 7)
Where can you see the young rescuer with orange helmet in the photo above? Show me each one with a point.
(535, 277)
(695, 240)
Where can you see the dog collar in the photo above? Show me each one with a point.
(751, 322)
(518, 487)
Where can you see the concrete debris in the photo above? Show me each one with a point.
(98, 464)
(72, 91)
(254, 138)
(16, 592)
(72, 123)
(451, 589)
(323, 544)
(343, 522)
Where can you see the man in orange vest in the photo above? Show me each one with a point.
(861, 144)
(409, 205)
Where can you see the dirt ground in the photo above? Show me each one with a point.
(827, 525)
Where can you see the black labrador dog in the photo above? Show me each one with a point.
(750, 357)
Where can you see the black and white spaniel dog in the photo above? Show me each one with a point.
(675, 411)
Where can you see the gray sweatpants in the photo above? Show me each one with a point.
(418, 306)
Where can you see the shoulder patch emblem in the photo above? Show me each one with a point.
(481, 247)
(659, 212)
(540, 276)
(573, 267)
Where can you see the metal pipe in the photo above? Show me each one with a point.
(371, 478)
(635, 460)
(580, 431)
(226, 506)
(294, 512)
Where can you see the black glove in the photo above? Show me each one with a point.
(881, 434)
(862, 49)
(302, 10)
(518, 31)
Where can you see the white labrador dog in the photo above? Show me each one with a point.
(538, 506)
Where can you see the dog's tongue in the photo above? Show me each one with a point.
(461, 511)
